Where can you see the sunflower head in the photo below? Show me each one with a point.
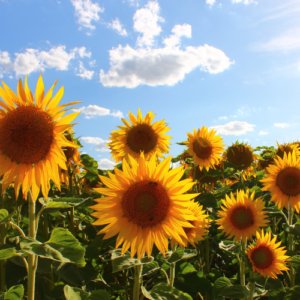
(267, 258)
(145, 205)
(283, 181)
(206, 147)
(141, 136)
(267, 156)
(242, 216)
(241, 154)
(72, 154)
(287, 148)
(31, 137)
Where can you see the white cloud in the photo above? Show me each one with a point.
(105, 164)
(5, 63)
(282, 125)
(145, 22)
(87, 11)
(82, 52)
(234, 128)
(222, 118)
(162, 66)
(179, 31)
(210, 2)
(133, 2)
(289, 40)
(100, 144)
(263, 133)
(117, 26)
(95, 110)
(244, 1)
(84, 73)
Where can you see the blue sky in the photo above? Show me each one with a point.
(229, 64)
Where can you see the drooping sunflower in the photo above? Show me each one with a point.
(266, 257)
(72, 154)
(205, 147)
(139, 136)
(31, 137)
(241, 154)
(200, 225)
(267, 158)
(288, 148)
(242, 216)
(283, 181)
(145, 204)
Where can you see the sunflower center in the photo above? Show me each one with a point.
(146, 203)
(242, 217)
(262, 257)
(69, 152)
(240, 156)
(142, 138)
(202, 148)
(288, 181)
(26, 134)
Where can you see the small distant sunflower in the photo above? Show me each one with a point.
(283, 181)
(287, 148)
(31, 137)
(268, 156)
(140, 136)
(72, 154)
(205, 147)
(266, 257)
(200, 225)
(242, 216)
(145, 205)
(241, 154)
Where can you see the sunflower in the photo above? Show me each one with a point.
(267, 156)
(200, 225)
(266, 257)
(283, 181)
(145, 205)
(288, 148)
(31, 138)
(242, 216)
(205, 147)
(241, 155)
(141, 136)
(72, 154)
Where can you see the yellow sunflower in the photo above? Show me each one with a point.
(205, 147)
(288, 148)
(139, 136)
(242, 155)
(242, 216)
(283, 181)
(72, 154)
(31, 137)
(200, 225)
(145, 205)
(266, 257)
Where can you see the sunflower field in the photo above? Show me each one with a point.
(212, 223)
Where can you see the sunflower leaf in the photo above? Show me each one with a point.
(234, 292)
(219, 285)
(176, 255)
(7, 253)
(14, 293)
(73, 293)
(4, 216)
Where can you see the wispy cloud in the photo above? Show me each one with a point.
(117, 26)
(84, 73)
(263, 133)
(282, 125)
(234, 128)
(105, 164)
(92, 111)
(222, 118)
(210, 2)
(100, 144)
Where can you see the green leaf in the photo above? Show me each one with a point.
(63, 202)
(293, 293)
(162, 291)
(274, 287)
(99, 295)
(207, 200)
(14, 293)
(235, 292)
(62, 246)
(150, 268)
(7, 253)
(73, 293)
(188, 253)
(125, 261)
(4, 216)
(219, 285)
(89, 163)
(176, 255)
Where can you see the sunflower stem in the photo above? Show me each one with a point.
(291, 237)
(252, 286)
(32, 259)
(207, 260)
(242, 265)
(137, 280)
(172, 274)
(70, 180)
(2, 242)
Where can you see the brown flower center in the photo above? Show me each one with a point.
(262, 257)
(240, 155)
(202, 148)
(69, 152)
(142, 138)
(242, 217)
(26, 134)
(288, 181)
(146, 203)
(284, 148)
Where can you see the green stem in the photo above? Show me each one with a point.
(70, 180)
(207, 260)
(76, 184)
(274, 225)
(32, 259)
(172, 274)
(137, 279)
(242, 265)
(252, 286)
(291, 237)
(2, 242)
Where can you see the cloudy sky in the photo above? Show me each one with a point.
(229, 64)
